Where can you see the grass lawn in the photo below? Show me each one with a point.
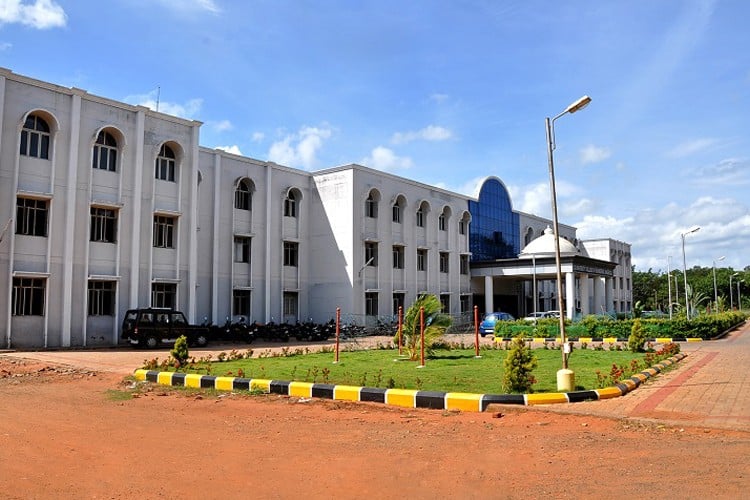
(448, 370)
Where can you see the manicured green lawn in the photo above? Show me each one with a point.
(448, 371)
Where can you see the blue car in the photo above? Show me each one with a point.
(487, 326)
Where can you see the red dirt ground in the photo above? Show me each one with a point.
(65, 434)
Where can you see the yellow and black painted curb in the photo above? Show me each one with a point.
(603, 340)
(407, 398)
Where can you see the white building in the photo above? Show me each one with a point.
(111, 206)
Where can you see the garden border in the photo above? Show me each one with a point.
(407, 398)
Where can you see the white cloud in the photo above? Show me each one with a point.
(299, 149)
(5, 46)
(382, 158)
(469, 188)
(235, 149)
(691, 147)
(41, 14)
(258, 136)
(439, 98)
(192, 5)
(594, 154)
(221, 126)
(730, 171)
(429, 133)
(188, 110)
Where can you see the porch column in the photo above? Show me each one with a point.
(488, 295)
(598, 283)
(608, 295)
(570, 295)
(583, 290)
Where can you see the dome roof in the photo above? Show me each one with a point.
(545, 245)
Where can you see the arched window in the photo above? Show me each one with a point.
(529, 236)
(443, 219)
(35, 138)
(105, 152)
(398, 208)
(371, 205)
(424, 207)
(290, 205)
(243, 196)
(165, 164)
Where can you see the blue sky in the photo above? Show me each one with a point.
(447, 93)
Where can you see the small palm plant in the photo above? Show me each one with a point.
(435, 325)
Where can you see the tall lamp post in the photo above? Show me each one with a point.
(731, 304)
(716, 292)
(684, 269)
(565, 377)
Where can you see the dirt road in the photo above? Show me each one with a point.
(76, 433)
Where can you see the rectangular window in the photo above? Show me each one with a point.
(371, 254)
(102, 298)
(371, 303)
(290, 207)
(444, 259)
(398, 257)
(420, 218)
(445, 301)
(398, 301)
(291, 253)
(28, 296)
(465, 304)
(165, 168)
(396, 214)
(164, 295)
(103, 225)
(31, 216)
(371, 208)
(164, 229)
(242, 249)
(241, 303)
(290, 304)
(461, 227)
(421, 259)
(464, 261)
(441, 222)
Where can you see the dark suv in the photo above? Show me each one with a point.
(152, 327)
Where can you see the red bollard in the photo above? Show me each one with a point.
(338, 322)
(421, 334)
(476, 332)
(400, 322)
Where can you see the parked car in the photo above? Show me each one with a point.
(542, 315)
(487, 326)
(153, 327)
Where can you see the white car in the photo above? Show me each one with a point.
(541, 315)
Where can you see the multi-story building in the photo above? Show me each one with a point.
(108, 206)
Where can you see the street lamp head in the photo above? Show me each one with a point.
(691, 230)
(578, 105)
(721, 258)
(735, 274)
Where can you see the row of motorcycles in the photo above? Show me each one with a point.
(241, 331)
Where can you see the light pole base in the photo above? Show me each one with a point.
(566, 380)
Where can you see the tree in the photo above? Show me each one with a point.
(435, 322)
(518, 367)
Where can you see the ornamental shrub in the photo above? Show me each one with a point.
(518, 367)
(180, 351)
(638, 336)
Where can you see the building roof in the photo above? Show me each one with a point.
(545, 245)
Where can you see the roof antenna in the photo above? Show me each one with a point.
(158, 93)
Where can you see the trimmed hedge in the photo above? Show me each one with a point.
(704, 327)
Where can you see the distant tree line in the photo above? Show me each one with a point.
(652, 289)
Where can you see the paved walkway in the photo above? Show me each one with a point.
(710, 388)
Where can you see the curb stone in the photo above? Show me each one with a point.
(407, 398)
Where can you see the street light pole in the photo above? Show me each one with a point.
(716, 292)
(565, 377)
(684, 270)
(731, 304)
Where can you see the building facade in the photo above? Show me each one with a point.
(107, 206)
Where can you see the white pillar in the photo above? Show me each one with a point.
(570, 295)
(488, 295)
(583, 291)
(608, 295)
(598, 283)
(137, 201)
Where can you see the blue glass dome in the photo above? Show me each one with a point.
(494, 226)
